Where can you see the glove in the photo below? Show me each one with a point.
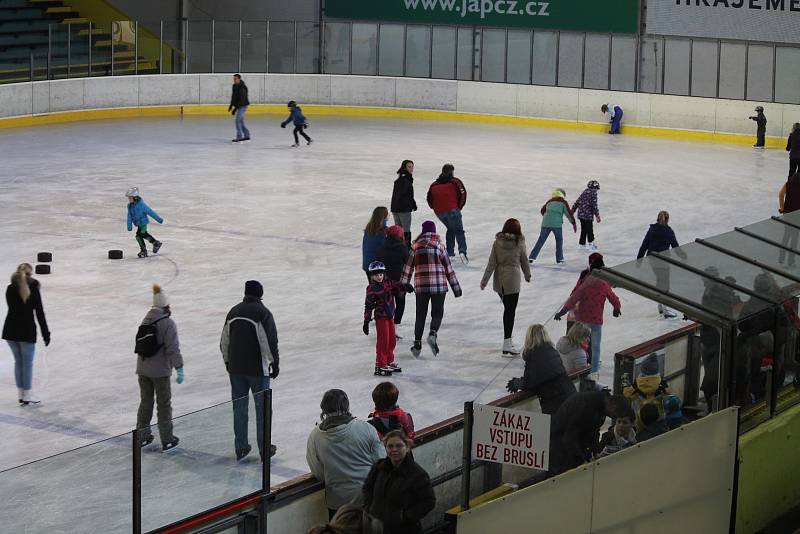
(514, 385)
(230, 108)
(283, 125)
(365, 328)
(559, 315)
(483, 286)
(233, 112)
(617, 312)
(227, 368)
(47, 340)
(457, 292)
(274, 370)
(179, 375)
(409, 288)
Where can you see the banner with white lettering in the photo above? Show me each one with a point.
(750, 20)
(509, 436)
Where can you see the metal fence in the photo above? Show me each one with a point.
(618, 62)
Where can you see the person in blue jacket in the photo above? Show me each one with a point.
(660, 238)
(616, 116)
(299, 120)
(374, 235)
(138, 213)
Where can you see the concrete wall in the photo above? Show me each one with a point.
(570, 107)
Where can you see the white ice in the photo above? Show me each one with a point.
(293, 218)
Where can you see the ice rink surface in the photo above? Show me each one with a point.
(293, 219)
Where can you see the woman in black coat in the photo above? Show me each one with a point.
(544, 375)
(403, 202)
(19, 330)
(394, 253)
(397, 490)
(660, 238)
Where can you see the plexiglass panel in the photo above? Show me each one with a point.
(704, 68)
(418, 51)
(444, 53)
(226, 46)
(307, 48)
(365, 49)
(759, 72)
(677, 55)
(623, 63)
(545, 49)
(518, 63)
(732, 59)
(281, 47)
(787, 75)
(493, 56)
(337, 48)
(391, 50)
(465, 67)
(570, 59)
(254, 46)
(596, 61)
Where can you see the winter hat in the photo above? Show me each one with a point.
(650, 365)
(429, 226)
(253, 288)
(395, 232)
(160, 299)
(596, 260)
(557, 193)
(672, 407)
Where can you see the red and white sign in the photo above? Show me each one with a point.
(509, 436)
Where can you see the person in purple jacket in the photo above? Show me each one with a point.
(660, 238)
(793, 148)
(587, 210)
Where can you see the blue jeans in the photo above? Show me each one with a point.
(241, 386)
(543, 235)
(241, 130)
(597, 336)
(616, 120)
(23, 363)
(455, 231)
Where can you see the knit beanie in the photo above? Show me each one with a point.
(429, 226)
(160, 299)
(557, 194)
(253, 288)
(395, 232)
(650, 365)
(596, 260)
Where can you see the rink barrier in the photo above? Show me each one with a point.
(656, 115)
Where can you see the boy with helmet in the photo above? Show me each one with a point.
(380, 299)
(299, 120)
(138, 212)
(761, 127)
(587, 210)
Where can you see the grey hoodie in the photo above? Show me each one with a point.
(169, 355)
(341, 457)
(573, 357)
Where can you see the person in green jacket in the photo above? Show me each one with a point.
(554, 211)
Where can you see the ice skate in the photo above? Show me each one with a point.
(581, 247)
(383, 371)
(145, 441)
(668, 314)
(294, 145)
(591, 247)
(171, 444)
(397, 335)
(272, 451)
(236, 140)
(464, 258)
(531, 260)
(142, 253)
(157, 246)
(432, 343)
(20, 393)
(244, 140)
(395, 368)
(29, 398)
(416, 348)
(241, 453)
(310, 141)
(561, 262)
(509, 350)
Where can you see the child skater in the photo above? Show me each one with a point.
(586, 209)
(299, 120)
(380, 298)
(138, 212)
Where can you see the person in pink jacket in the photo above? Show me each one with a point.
(590, 299)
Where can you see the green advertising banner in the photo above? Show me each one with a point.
(618, 16)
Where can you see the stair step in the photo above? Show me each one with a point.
(75, 20)
(95, 31)
(60, 9)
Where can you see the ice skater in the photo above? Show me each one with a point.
(158, 353)
(554, 211)
(761, 127)
(19, 330)
(138, 213)
(587, 209)
(238, 107)
(380, 302)
(299, 120)
(447, 197)
(615, 114)
(660, 238)
(403, 202)
(793, 148)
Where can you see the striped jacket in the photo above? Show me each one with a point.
(249, 341)
(431, 267)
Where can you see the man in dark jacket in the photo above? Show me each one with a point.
(447, 197)
(575, 428)
(238, 108)
(249, 346)
(761, 126)
(546, 377)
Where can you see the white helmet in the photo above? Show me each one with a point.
(132, 192)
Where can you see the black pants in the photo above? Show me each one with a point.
(794, 165)
(299, 129)
(437, 312)
(587, 231)
(760, 137)
(142, 234)
(509, 313)
(400, 308)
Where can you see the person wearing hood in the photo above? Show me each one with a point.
(341, 450)
(447, 197)
(154, 371)
(249, 346)
(238, 107)
(761, 126)
(24, 300)
(403, 202)
(430, 265)
(648, 388)
(393, 253)
(506, 265)
(659, 238)
(572, 347)
(544, 373)
(554, 211)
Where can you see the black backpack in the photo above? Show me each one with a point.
(147, 340)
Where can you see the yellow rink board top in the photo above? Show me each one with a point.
(355, 111)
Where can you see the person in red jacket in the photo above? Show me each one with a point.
(590, 299)
(388, 415)
(446, 197)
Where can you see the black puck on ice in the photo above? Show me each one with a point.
(114, 254)
(44, 257)
(42, 269)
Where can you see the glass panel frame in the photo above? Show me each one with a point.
(364, 59)
(417, 56)
(337, 48)
(254, 46)
(443, 65)
(545, 57)
(281, 47)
